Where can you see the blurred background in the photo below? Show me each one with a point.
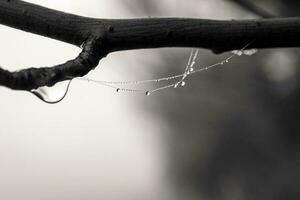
(231, 133)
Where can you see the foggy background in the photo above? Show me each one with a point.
(230, 133)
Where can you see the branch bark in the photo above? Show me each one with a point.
(103, 36)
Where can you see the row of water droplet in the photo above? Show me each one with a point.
(59, 91)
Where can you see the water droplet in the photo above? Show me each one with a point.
(250, 52)
(182, 83)
(221, 63)
(176, 85)
(148, 93)
(53, 94)
(192, 69)
(226, 60)
(237, 52)
(118, 90)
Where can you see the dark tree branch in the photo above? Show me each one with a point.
(102, 36)
(252, 7)
(32, 78)
(47, 22)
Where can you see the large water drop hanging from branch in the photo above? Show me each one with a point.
(53, 94)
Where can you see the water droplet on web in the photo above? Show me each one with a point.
(148, 93)
(118, 90)
(192, 69)
(182, 83)
(176, 85)
(247, 52)
(250, 52)
(237, 52)
(53, 94)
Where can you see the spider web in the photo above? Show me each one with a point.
(176, 80)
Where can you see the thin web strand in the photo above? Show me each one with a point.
(188, 71)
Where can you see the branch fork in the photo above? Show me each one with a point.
(99, 37)
(33, 78)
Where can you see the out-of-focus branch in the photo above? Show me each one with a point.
(103, 36)
(252, 7)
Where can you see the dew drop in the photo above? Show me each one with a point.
(183, 83)
(118, 90)
(176, 85)
(148, 93)
(237, 52)
(250, 52)
(192, 69)
(221, 63)
(53, 94)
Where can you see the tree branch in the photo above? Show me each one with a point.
(32, 78)
(103, 36)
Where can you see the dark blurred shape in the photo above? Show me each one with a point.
(254, 8)
(289, 8)
(139, 7)
(235, 131)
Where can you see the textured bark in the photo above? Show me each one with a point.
(102, 36)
